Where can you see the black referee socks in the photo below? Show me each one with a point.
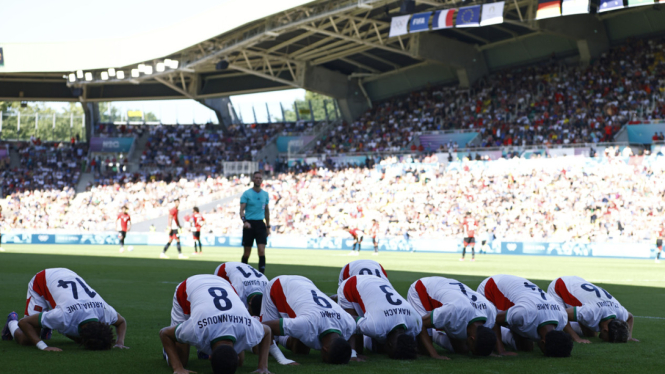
(262, 264)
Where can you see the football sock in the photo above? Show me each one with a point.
(473, 252)
(463, 251)
(245, 259)
(166, 247)
(262, 264)
(658, 255)
(13, 326)
(179, 249)
(200, 246)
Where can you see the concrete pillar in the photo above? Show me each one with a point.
(91, 111)
(348, 93)
(586, 29)
(226, 114)
(466, 59)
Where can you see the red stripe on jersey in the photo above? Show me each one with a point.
(42, 290)
(222, 273)
(351, 292)
(493, 294)
(428, 303)
(345, 274)
(561, 290)
(279, 299)
(384, 271)
(181, 296)
(27, 304)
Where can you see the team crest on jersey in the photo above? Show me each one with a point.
(38, 308)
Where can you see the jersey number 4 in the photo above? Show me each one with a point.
(72, 285)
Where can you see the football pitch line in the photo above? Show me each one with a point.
(648, 317)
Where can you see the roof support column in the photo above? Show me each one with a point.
(348, 93)
(223, 108)
(586, 29)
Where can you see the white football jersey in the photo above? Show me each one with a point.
(216, 313)
(73, 302)
(527, 306)
(245, 279)
(380, 307)
(451, 304)
(592, 303)
(361, 267)
(305, 312)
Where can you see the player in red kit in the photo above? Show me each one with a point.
(123, 224)
(659, 242)
(197, 222)
(174, 227)
(373, 232)
(469, 225)
(357, 239)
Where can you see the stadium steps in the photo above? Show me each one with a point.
(83, 182)
(161, 222)
(14, 158)
(320, 133)
(135, 158)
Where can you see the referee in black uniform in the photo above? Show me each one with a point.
(253, 211)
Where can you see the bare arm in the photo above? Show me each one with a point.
(267, 214)
(175, 359)
(274, 327)
(264, 349)
(569, 329)
(630, 322)
(500, 348)
(242, 216)
(121, 331)
(426, 340)
(29, 326)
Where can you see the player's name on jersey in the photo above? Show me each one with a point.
(224, 318)
(333, 315)
(254, 282)
(479, 306)
(607, 303)
(548, 307)
(396, 311)
(81, 306)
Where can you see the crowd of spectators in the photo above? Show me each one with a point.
(43, 165)
(547, 103)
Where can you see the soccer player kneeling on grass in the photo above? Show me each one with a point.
(305, 318)
(208, 314)
(58, 299)
(465, 317)
(382, 315)
(247, 281)
(591, 309)
(529, 314)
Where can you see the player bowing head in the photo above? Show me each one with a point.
(247, 281)
(454, 316)
(208, 314)
(591, 309)
(382, 314)
(59, 299)
(305, 318)
(529, 314)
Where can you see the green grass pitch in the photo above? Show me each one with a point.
(140, 286)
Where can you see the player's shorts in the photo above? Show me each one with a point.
(659, 243)
(35, 303)
(196, 235)
(122, 234)
(174, 235)
(374, 240)
(469, 240)
(258, 232)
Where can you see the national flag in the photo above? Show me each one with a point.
(443, 19)
(468, 16)
(492, 13)
(570, 7)
(606, 5)
(420, 22)
(632, 3)
(548, 9)
(399, 26)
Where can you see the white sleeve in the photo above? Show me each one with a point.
(268, 309)
(53, 319)
(341, 299)
(551, 292)
(588, 316)
(110, 315)
(186, 333)
(368, 327)
(515, 316)
(297, 327)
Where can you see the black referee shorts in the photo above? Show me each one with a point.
(659, 243)
(258, 232)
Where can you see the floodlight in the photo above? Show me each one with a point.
(159, 67)
(147, 69)
(111, 72)
(135, 73)
(72, 77)
(88, 76)
(120, 74)
(105, 76)
(141, 68)
(79, 74)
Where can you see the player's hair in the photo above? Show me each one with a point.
(485, 341)
(617, 331)
(196, 209)
(96, 336)
(257, 172)
(176, 199)
(405, 346)
(224, 360)
(255, 304)
(124, 207)
(340, 351)
(558, 344)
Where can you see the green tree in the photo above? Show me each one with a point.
(41, 121)
(318, 111)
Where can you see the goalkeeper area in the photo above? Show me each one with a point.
(141, 288)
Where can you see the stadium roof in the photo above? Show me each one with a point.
(320, 46)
